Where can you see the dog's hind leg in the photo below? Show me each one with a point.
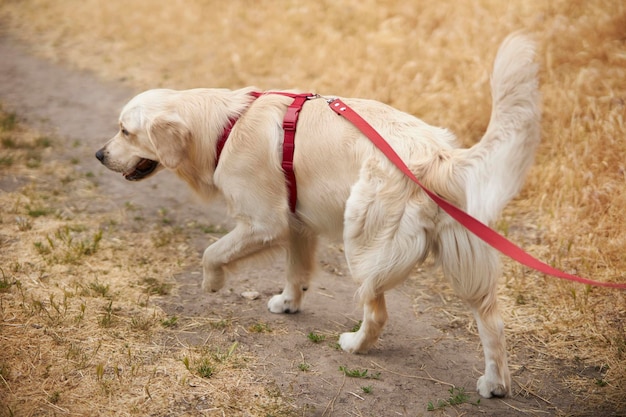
(384, 236)
(473, 269)
(496, 381)
(300, 267)
(374, 318)
(380, 266)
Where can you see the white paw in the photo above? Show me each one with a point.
(351, 342)
(280, 304)
(213, 282)
(488, 389)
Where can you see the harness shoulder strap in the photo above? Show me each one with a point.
(289, 145)
(290, 121)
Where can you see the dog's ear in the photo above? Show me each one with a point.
(170, 137)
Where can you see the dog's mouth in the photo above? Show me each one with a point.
(144, 168)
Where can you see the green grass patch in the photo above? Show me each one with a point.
(9, 142)
(6, 282)
(99, 288)
(316, 338)
(457, 396)
(6, 161)
(38, 211)
(205, 369)
(66, 246)
(106, 320)
(154, 286)
(169, 322)
(142, 323)
(8, 121)
(43, 142)
(356, 373)
(260, 328)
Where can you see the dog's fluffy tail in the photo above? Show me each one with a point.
(494, 169)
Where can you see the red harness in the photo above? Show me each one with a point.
(290, 122)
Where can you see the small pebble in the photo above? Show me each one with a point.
(250, 295)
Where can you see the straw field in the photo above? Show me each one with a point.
(430, 59)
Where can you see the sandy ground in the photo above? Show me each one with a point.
(420, 345)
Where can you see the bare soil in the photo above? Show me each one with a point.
(428, 346)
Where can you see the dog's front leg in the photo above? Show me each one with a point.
(243, 241)
(300, 268)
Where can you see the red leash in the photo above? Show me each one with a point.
(484, 232)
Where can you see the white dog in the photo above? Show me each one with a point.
(347, 188)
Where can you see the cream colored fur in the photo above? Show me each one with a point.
(348, 189)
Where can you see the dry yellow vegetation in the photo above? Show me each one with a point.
(79, 332)
(431, 59)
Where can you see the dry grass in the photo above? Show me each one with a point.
(79, 331)
(431, 59)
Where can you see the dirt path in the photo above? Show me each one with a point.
(419, 346)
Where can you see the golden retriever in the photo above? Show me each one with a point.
(347, 188)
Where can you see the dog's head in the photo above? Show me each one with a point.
(152, 136)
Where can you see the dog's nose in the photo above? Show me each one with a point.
(100, 155)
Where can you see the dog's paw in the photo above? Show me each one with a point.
(488, 389)
(280, 304)
(351, 342)
(213, 282)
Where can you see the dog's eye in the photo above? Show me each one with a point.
(125, 132)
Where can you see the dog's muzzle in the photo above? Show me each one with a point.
(141, 170)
